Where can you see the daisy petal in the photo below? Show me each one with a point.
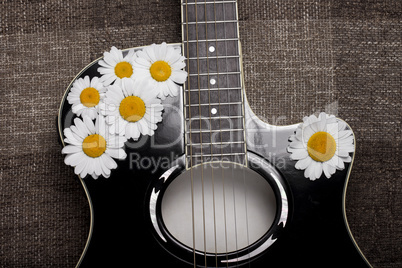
(337, 150)
(299, 154)
(108, 161)
(72, 137)
(347, 159)
(303, 163)
(325, 169)
(116, 153)
(89, 124)
(105, 170)
(179, 76)
(81, 127)
(297, 145)
(309, 172)
(318, 170)
(80, 168)
(97, 166)
(74, 159)
(307, 133)
(71, 149)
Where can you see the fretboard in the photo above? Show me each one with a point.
(214, 101)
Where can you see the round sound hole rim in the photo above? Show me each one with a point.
(255, 250)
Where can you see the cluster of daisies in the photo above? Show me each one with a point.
(123, 103)
(321, 145)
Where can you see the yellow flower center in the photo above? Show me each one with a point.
(321, 146)
(90, 97)
(123, 69)
(94, 145)
(160, 71)
(132, 108)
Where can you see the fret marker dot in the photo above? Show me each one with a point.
(211, 49)
(212, 81)
(214, 111)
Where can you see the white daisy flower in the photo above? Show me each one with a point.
(132, 108)
(321, 145)
(115, 67)
(85, 96)
(162, 65)
(91, 149)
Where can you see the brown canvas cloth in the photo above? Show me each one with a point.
(300, 57)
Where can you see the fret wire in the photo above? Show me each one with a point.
(214, 149)
(216, 88)
(216, 117)
(208, 74)
(225, 159)
(223, 154)
(220, 130)
(211, 40)
(213, 104)
(231, 79)
(206, 22)
(218, 143)
(217, 57)
(210, 2)
(213, 125)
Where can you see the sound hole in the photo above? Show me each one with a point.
(232, 207)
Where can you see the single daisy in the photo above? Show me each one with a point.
(85, 96)
(115, 66)
(90, 148)
(132, 108)
(321, 145)
(162, 65)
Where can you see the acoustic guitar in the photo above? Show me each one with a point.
(214, 186)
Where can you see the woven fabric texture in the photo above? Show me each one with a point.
(300, 57)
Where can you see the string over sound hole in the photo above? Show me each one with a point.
(232, 207)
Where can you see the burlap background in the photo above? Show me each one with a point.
(300, 57)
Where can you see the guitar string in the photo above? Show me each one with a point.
(246, 211)
(200, 117)
(231, 149)
(190, 134)
(210, 130)
(220, 135)
(244, 160)
(191, 158)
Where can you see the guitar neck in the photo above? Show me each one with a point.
(214, 97)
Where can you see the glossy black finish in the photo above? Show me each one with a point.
(122, 234)
(318, 234)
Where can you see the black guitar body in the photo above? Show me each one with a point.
(215, 186)
(127, 230)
